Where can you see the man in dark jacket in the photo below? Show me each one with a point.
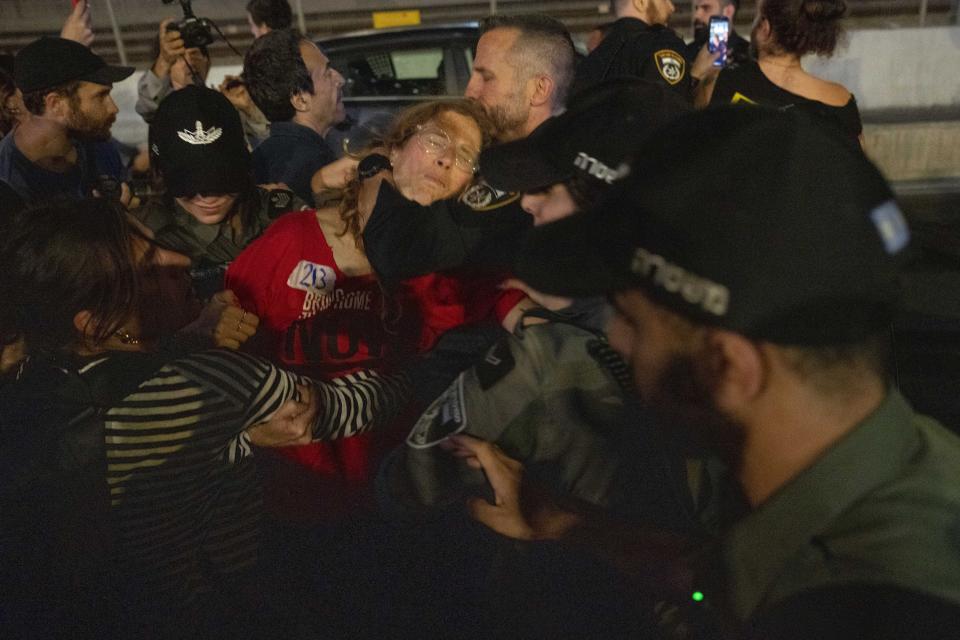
(638, 44)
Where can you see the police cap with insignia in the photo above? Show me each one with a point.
(756, 221)
(592, 139)
(198, 144)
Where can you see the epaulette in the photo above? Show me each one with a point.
(480, 196)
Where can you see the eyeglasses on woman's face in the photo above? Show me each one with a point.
(435, 142)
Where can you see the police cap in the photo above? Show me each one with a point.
(601, 127)
(198, 142)
(756, 221)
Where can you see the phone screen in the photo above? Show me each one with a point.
(719, 32)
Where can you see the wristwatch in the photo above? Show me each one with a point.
(372, 165)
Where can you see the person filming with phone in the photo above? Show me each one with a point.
(783, 32)
(706, 16)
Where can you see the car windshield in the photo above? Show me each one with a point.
(403, 72)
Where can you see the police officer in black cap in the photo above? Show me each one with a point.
(756, 317)
(512, 396)
(638, 44)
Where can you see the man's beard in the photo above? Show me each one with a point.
(682, 398)
(83, 128)
(701, 33)
(507, 120)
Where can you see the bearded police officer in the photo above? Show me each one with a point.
(757, 322)
(555, 393)
(521, 77)
(638, 44)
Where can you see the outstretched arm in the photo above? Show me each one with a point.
(404, 239)
(658, 560)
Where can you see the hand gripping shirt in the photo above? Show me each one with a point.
(320, 322)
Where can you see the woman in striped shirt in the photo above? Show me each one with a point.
(184, 509)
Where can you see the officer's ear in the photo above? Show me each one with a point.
(739, 368)
(542, 90)
(729, 12)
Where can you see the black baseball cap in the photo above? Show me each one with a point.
(50, 62)
(593, 138)
(756, 221)
(198, 143)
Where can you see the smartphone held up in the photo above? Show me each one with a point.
(717, 41)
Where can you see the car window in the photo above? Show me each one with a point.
(402, 72)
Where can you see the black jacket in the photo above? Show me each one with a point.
(634, 48)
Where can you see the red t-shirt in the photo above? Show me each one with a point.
(322, 323)
(437, 302)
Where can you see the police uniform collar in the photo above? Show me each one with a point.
(635, 24)
(756, 550)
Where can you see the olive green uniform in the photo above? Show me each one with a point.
(882, 506)
(211, 247)
(556, 397)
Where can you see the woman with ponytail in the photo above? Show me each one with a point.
(783, 32)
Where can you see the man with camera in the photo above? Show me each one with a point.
(175, 66)
(60, 147)
(182, 59)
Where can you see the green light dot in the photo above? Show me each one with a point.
(697, 596)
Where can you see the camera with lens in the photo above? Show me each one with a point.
(194, 31)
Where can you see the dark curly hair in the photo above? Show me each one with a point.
(64, 257)
(275, 72)
(276, 14)
(804, 26)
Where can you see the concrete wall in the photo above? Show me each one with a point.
(897, 69)
(915, 150)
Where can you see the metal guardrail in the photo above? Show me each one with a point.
(134, 40)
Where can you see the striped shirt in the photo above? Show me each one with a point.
(183, 490)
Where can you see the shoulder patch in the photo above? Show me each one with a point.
(497, 363)
(281, 201)
(671, 65)
(480, 196)
(445, 417)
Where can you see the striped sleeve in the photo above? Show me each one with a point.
(181, 508)
(359, 402)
